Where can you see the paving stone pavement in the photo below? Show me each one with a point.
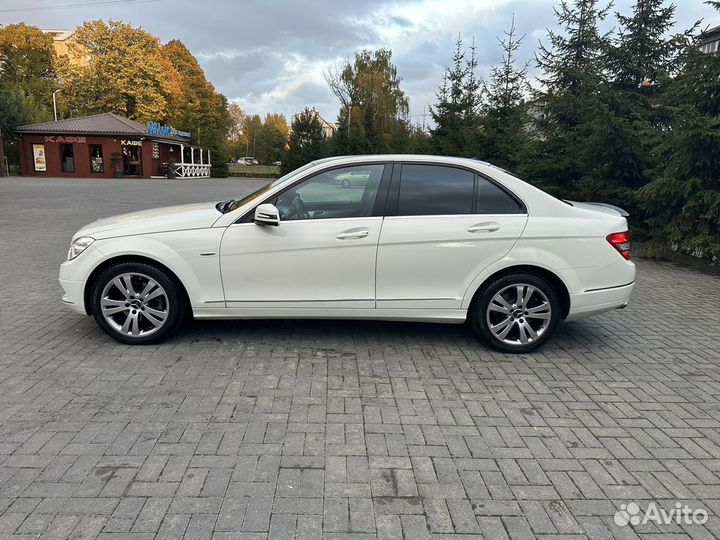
(331, 429)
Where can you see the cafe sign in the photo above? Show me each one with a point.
(64, 139)
(130, 142)
(156, 128)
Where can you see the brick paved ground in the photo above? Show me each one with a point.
(340, 429)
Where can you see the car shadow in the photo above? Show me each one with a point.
(579, 335)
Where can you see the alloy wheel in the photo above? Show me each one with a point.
(518, 314)
(134, 304)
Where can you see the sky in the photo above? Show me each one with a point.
(270, 55)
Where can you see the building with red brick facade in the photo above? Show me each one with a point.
(106, 146)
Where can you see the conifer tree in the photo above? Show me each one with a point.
(456, 112)
(307, 141)
(641, 60)
(683, 199)
(505, 118)
(573, 66)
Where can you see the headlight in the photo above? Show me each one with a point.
(79, 245)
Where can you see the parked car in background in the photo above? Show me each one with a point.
(247, 161)
(277, 163)
(427, 238)
(353, 178)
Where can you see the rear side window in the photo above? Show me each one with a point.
(435, 190)
(491, 199)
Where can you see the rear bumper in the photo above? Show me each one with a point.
(590, 303)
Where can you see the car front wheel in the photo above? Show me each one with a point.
(516, 313)
(136, 303)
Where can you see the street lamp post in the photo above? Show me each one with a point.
(55, 103)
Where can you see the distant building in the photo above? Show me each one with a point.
(328, 128)
(62, 40)
(710, 40)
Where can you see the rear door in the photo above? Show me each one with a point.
(443, 226)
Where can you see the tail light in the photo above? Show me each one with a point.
(621, 242)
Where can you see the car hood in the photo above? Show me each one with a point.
(170, 218)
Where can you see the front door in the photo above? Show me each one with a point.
(450, 225)
(132, 160)
(323, 253)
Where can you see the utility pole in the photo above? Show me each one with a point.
(55, 103)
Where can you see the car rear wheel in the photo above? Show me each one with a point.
(516, 313)
(137, 303)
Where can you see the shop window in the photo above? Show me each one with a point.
(96, 158)
(68, 158)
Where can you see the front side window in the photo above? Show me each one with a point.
(435, 190)
(344, 192)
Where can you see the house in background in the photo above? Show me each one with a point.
(710, 40)
(327, 127)
(62, 41)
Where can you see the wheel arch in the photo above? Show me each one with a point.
(557, 283)
(125, 259)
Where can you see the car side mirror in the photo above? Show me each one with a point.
(267, 214)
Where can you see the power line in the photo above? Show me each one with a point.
(70, 6)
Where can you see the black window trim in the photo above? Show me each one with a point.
(380, 198)
(391, 208)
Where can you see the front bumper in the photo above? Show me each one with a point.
(73, 277)
(74, 295)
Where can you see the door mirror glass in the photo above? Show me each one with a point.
(267, 214)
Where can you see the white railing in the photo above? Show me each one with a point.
(187, 170)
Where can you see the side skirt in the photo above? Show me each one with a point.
(451, 316)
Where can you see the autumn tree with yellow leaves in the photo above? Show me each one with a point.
(126, 73)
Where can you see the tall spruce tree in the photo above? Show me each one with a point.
(641, 60)
(505, 119)
(683, 199)
(456, 112)
(573, 67)
(643, 52)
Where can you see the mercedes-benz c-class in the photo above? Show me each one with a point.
(411, 238)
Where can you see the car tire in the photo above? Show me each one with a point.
(346, 183)
(137, 303)
(516, 313)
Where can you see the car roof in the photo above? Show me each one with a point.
(424, 158)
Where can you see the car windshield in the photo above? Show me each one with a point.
(234, 204)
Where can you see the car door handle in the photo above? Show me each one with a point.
(484, 227)
(357, 233)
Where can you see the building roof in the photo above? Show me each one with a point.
(96, 124)
(59, 35)
(710, 33)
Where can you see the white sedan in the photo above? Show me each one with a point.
(424, 238)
